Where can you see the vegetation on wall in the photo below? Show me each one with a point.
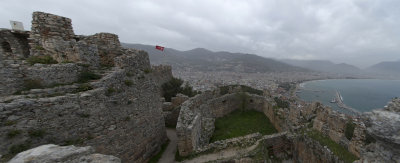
(336, 148)
(349, 130)
(41, 59)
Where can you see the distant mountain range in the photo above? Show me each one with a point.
(200, 59)
(388, 68)
(325, 66)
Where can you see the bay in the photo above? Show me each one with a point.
(361, 94)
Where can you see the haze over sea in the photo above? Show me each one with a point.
(361, 94)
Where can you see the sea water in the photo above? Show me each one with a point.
(361, 94)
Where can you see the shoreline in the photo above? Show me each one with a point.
(352, 111)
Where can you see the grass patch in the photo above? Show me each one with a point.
(240, 123)
(337, 149)
(86, 76)
(41, 59)
(128, 83)
(13, 133)
(157, 157)
(349, 130)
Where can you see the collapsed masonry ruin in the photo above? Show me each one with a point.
(197, 115)
(118, 114)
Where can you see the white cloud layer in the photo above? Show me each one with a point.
(360, 32)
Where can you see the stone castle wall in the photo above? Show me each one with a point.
(308, 150)
(119, 114)
(197, 116)
(14, 45)
(50, 35)
(16, 76)
(108, 46)
(127, 123)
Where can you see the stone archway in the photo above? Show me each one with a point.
(6, 47)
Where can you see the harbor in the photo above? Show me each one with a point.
(339, 101)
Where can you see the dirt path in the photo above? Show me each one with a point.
(228, 153)
(169, 154)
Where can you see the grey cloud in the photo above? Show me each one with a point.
(353, 31)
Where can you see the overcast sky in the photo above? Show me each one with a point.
(359, 32)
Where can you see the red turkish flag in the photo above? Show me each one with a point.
(159, 48)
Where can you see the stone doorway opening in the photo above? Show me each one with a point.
(6, 47)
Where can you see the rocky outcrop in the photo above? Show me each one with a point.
(63, 154)
(384, 126)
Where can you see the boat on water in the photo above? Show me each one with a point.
(333, 100)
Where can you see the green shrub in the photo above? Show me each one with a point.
(110, 91)
(147, 70)
(173, 87)
(41, 59)
(32, 84)
(36, 133)
(86, 76)
(128, 83)
(349, 130)
(188, 91)
(13, 133)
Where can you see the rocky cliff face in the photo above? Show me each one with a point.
(384, 126)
